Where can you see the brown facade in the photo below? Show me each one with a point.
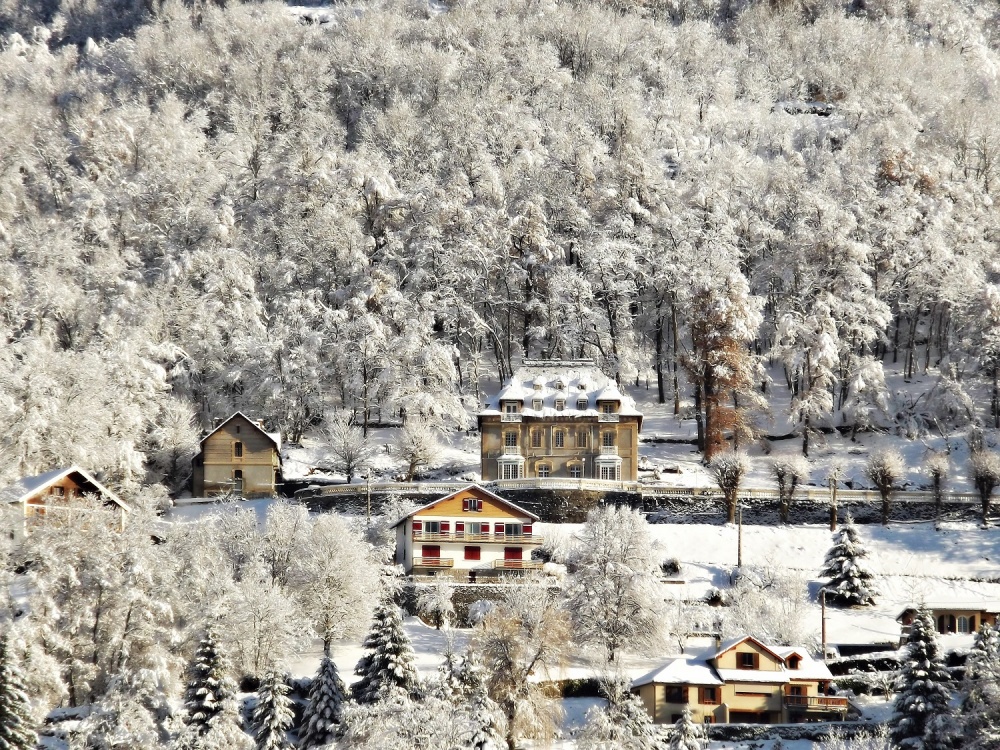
(952, 619)
(238, 457)
(560, 420)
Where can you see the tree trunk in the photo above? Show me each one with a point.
(660, 391)
(885, 507)
(731, 506)
(833, 506)
(699, 419)
(673, 357)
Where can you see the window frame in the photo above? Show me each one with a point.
(558, 438)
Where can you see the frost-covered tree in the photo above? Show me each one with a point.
(979, 713)
(885, 467)
(388, 661)
(686, 734)
(399, 720)
(623, 722)
(524, 636)
(324, 707)
(350, 449)
(434, 601)
(922, 717)
(728, 470)
(985, 467)
(937, 467)
(417, 444)
(788, 472)
(851, 581)
(769, 604)
(272, 715)
(613, 591)
(16, 724)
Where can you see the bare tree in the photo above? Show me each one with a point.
(788, 471)
(434, 601)
(885, 467)
(985, 467)
(352, 452)
(729, 470)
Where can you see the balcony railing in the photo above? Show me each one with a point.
(609, 450)
(517, 564)
(606, 417)
(511, 416)
(512, 450)
(464, 536)
(433, 562)
(816, 703)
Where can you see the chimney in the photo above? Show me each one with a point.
(216, 422)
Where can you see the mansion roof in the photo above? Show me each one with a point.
(578, 383)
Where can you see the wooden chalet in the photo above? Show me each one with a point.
(60, 495)
(238, 457)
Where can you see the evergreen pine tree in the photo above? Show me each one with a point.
(389, 661)
(15, 717)
(980, 710)
(921, 718)
(687, 735)
(851, 581)
(324, 711)
(488, 720)
(272, 716)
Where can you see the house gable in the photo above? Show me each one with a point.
(489, 504)
(738, 654)
(239, 426)
(67, 483)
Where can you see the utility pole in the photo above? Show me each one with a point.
(368, 494)
(739, 537)
(833, 503)
(822, 608)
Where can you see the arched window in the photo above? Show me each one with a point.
(941, 624)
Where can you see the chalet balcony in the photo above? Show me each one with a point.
(512, 417)
(816, 703)
(433, 562)
(462, 536)
(602, 417)
(609, 450)
(517, 564)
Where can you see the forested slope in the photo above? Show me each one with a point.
(216, 208)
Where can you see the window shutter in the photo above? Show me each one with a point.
(465, 505)
(527, 529)
(498, 528)
(445, 526)
(479, 504)
(459, 527)
(417, 526)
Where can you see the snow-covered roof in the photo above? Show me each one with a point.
(809, 668)
(681, 670)
(274, 437)
(732, 643)
(767, 676)
(985, 605)
(477, 488)
(536, 384)
(28, 487)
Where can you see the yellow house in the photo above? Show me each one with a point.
(741, 681)
(560, 419)
(472, 534)
(59, 496)
(240, 457)
(964, 618)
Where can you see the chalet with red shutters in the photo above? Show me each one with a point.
(470, 534)
(60, 496)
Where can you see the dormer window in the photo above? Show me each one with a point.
(581, 404)
(746, 660)
(537, 386)
(511, 407)
(608, 407)
(560, 385)
(793, 662)
(536, 404)
(560, 404)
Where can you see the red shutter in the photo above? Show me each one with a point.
(445, 526)
(527, 529)
(465, 505)
(477, 504)
(459, 527)
(498, 528)
(472, 553)
(417, 526)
